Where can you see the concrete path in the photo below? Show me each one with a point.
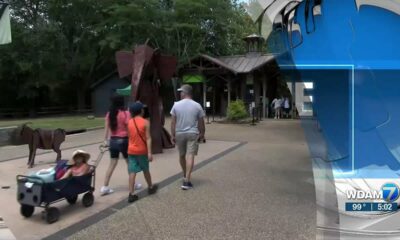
(251, 182)
(165, 166)
(262, 190)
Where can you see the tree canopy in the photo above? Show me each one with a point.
(60, 47)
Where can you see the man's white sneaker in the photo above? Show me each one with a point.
(105, 190)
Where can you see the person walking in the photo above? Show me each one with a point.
(139, 150)
(277, 105)
(286, 107)
(116, 137)
(187, 127)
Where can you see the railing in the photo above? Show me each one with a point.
(42, 112)
(13, 113)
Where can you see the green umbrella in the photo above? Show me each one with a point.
(124, 91)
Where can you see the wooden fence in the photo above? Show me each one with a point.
(11, 113)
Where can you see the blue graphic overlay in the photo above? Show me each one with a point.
(360, 122)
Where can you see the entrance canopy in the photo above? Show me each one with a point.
(240, 64)
(193, 78)
(124, 91)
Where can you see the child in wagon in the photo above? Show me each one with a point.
(78, 163)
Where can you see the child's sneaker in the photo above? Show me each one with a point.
(132, 198)
(153, 189)
(105, 190)
(138, 186)
(187, 185)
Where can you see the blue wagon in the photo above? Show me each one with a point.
(35, 192)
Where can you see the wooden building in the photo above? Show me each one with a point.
(251, 77)
(103, 90)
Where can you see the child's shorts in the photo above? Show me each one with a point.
(138, 163)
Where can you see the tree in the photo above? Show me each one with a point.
(183, 28)
(77, 21)
(60, 47)
(29, 63)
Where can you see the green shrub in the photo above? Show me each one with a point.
(236, 110)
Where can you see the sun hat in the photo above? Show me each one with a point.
(86, 156)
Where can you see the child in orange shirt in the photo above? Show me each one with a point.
(139, 149)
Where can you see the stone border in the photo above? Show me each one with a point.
(5, 232)
(49, 151)
(6, 133)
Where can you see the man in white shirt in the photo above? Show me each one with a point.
(277, 105)
(187, 127)
(286, 107)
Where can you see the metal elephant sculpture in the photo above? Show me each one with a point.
(42, 139)
(149, 69)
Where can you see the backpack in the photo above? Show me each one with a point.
(61, 168)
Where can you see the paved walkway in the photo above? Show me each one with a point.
(262, 190)
(164, 167)
(250, 183)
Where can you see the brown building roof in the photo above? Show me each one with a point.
(242, 63)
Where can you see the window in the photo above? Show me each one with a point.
(307, 107)
(307, 92)
(309, 85)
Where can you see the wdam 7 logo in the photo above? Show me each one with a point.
(390, 192)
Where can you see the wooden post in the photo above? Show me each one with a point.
(264, 96)
(204, 95)
(229, 91)
(256, 87)
(237, 89)
(293, 99)
(243, 87)
(214, 99)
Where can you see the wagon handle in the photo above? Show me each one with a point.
(103, 148)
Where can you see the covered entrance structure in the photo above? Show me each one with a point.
(252, 77)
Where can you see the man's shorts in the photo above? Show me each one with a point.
(118, 145)
(138, 163)
(187, 143)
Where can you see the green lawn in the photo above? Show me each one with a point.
(67, 123)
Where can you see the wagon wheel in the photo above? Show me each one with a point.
(27, 210)
(72, 200)
(88, 199)
(52, 215)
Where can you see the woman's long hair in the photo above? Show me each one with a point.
(117, 104)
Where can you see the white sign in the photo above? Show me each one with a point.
(208, 104)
